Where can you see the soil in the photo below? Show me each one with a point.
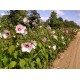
(70, 58)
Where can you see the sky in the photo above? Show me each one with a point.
(71, 15)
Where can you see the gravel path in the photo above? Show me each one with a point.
(70, 58)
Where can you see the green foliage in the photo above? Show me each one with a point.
(11, 49)
(13, 18)
(15, 54)
(55, 22)
(43, 44)
(16, 16)
(22, 63)
(34, 18)
(12, 64)
(13, 57)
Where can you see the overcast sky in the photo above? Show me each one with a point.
(65, 14)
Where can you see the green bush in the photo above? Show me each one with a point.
(27, 48)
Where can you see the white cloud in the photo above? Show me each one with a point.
(43, 10)
(67, 18)
(59, 13)
(78, 21)
(2, 14)
(79, 14)
(44, 18)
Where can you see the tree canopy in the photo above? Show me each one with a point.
(15, 17)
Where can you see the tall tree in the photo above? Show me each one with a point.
(60, 22)
(4, 21)
(60, 19)
(16, 16)
(53, 20)
(34, 18)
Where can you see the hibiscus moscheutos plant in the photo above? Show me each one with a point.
(0, 35)
(5, 34)
(55, 37)
(44, 39)
(75, 30)
(49, 40)
(40, 26)
(34, 44)
(62, 37)
(66, 31)
(63, 43)
(14, 36)
(17, 44)
(25, 33)
(48, 27)
(26, 47)
(25, 19)
(69, 39)
(54, 47)
(34, 23)
(49, 46)
(20, 29)
(53, 32)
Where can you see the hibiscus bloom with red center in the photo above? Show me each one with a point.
(20, 29)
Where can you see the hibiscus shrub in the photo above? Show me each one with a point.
(22, 47)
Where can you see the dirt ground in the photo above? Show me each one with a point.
(70, 58)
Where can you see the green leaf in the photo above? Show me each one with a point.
(5, 60)
(11, 48)
(5, 48)
(12, 64)
(44, 49)
(46, 56)
(38, 60)
(22, 63)
(39, 44)
(15, 54)
(51, 54)
(35, 55)
(38, 63)
(32, 64)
